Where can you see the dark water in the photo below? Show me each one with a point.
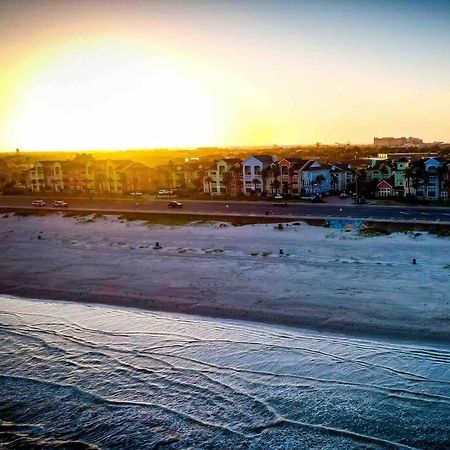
(77, 376)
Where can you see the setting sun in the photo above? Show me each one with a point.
(107, 97)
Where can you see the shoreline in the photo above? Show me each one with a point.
(351, 329)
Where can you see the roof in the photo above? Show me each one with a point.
(313, 165)
(293, 160)
(266, 159)
(388, 182)
(232, 160)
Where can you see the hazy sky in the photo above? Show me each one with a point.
(126, 74)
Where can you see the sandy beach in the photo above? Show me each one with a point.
(326, 279)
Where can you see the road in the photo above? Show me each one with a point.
(345, 209)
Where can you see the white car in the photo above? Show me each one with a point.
(136, 194)
(59, 204)
(38, 203)
(164, 192)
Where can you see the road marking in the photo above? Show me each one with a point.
(425, 214)
(403, 212)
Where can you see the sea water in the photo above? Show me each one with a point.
(79, 376)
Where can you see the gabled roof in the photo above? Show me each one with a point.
(386, 183)
(339, 166)
(232, 160)
(265, 159)
(313, 165)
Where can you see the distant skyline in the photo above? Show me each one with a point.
(86, 75)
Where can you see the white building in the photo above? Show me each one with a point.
(252, 173)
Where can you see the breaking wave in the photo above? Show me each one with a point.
(79, 376)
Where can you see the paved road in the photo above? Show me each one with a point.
(346, 209)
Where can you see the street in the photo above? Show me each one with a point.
(344, 209)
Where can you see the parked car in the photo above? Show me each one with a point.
(343, 195)
(279, 204)
(136, 194)
(164, 192)
(59, 204)
(175, 204)
(278, 197)
(38, 203)
(317, 199)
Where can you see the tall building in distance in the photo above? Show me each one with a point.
(397, 142)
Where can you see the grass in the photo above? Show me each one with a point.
(373, 231)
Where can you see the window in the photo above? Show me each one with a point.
(284, 170)
(248, 170)
(257, 170)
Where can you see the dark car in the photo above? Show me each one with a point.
(317, 199)
(175, 204)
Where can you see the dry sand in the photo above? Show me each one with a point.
(326, 279)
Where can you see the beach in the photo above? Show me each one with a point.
(312, 277)
(77, 375)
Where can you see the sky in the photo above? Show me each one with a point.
(85, 74)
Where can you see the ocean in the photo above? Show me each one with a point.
(83, 376)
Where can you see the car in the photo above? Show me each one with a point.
(278, 197)
(279, 204)
(59, 204)
(38, 203)
(164, 192)
(317, 199)
(343, 195)
(136, 194)
(175, 204)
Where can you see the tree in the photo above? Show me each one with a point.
(334, 178)
(319, 180)
(408, 176)
(441, 171)
(227, 179)
(209, 180)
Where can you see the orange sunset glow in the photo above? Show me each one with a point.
(114, 75)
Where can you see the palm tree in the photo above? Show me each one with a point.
(256, 182)
(441, 171)
(319, 180)
(227, 179)
(209, 180)
(408, 176)
(334, 178)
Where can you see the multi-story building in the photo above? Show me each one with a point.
(289, 175)
(253, 170)
(341, 176)
(134, 176)
(315, 178)
(397, 142)
(78, 174)
(46, 176)
(221, 177)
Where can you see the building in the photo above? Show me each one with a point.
(341, 176)
(289, 176)
(315, 178)
(397, 142)
(46, 176)
(253, 173)
(221, 177)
